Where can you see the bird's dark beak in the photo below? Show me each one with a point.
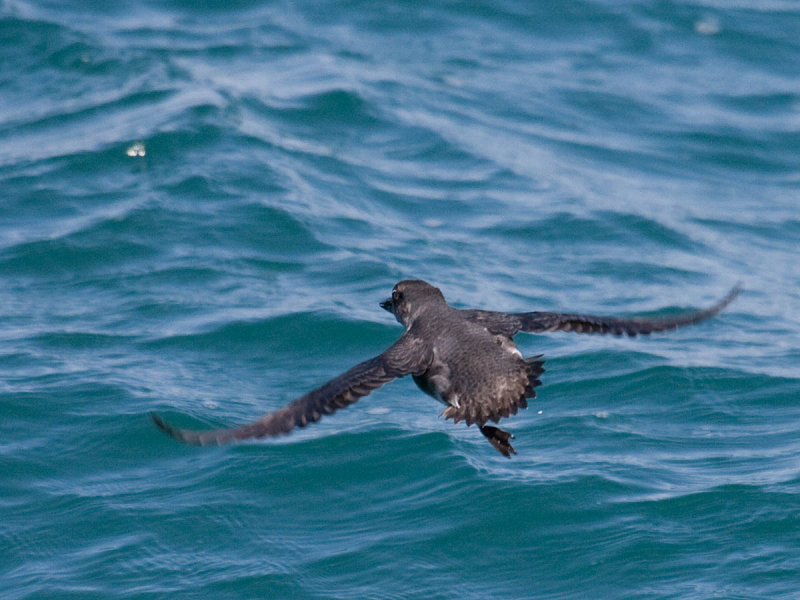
(387, 304)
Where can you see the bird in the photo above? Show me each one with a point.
(464, 358)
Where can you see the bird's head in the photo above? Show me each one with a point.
(409, 298)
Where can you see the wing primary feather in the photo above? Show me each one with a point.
(407, 356)
(510, 324)
(534, 322)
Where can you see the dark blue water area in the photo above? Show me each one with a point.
(202, 203)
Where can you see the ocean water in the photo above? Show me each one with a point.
(202, 203)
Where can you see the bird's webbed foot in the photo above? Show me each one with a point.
(499, 439)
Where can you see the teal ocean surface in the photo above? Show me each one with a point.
(202, 203)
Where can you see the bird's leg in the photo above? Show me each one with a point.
(499, 439)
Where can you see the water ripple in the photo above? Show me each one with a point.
(202, 205)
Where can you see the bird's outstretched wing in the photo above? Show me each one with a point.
(407, 356)
(509, 324)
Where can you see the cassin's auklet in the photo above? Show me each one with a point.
(464, 358)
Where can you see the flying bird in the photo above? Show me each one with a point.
(464, 358)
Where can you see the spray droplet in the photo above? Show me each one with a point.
(707, 26)
(136, 149)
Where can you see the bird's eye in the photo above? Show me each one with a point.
(397, 296)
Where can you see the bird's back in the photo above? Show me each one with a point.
(480, 375)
